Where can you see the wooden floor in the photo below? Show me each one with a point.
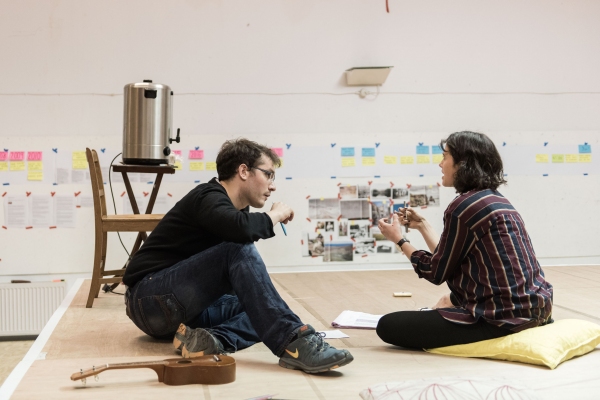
(103, 334)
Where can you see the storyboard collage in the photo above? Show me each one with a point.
(345, 228)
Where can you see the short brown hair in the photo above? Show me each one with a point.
(478, 161)
(240, 151)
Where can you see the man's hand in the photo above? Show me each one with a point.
(392, 231)
(281, 212)
(444, 302)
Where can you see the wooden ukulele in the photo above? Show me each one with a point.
(207, 370)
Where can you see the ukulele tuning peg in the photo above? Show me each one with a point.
(83, 381)
(96, 378)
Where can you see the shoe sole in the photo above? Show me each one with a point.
(293, 364)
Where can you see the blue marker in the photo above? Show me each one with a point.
(283, 227)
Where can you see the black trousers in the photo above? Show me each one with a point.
(428, 329)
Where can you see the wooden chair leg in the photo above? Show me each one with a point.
(98, 267)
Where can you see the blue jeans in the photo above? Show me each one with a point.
(225, 289)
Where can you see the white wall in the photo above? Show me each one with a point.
(273, 70)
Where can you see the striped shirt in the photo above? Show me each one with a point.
(487, 260)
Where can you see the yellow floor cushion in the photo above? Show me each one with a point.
(547, 345)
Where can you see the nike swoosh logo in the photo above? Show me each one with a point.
(295, 355)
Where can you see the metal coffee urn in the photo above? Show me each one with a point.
(147, 121)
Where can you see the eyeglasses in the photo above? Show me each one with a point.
(270, 174)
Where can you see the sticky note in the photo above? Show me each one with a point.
(196, 166)
(423, 159)
(348, 162)
(79, 160)
(368, 152)
(278, 151)
(368, 161)
(437, 158)
(34, 156)
(390, 160)
(3, 166)
(585, 158)
(422, 149)
(178, 165)
(196, 155)
(347, 151)
(17, 165)
(558, 158)
(35, 175)
(572, 158)
(211, 166)
(541, 158)
(281, 159)
(176, 152)
(436, 149)
(585, 148)
(34, 166)
(17, 156)
(407, 160)
(3, 156)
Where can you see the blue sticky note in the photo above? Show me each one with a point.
(347, 151)
(422, 149)
(436, 149)
(368, 152)
(585, 148)
(289, 178)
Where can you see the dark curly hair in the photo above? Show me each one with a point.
(478, 161)
(240, 151)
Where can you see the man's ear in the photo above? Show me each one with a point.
(243, 171)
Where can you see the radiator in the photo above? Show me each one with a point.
(25, 308)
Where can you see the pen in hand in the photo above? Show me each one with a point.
(406, 217)
(283, 227)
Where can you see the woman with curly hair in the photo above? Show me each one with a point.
(484, 255)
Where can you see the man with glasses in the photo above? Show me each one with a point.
(199, 279)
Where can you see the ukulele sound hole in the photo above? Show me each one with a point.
(184, 362)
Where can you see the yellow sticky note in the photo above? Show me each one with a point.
(390, 160)
(421, 159)
(407, 160)
(368, 161)
(572, 158)
(211, 166)
(3, 166)
(178, 165)
(281, 159)
(79, 160)
(541, 158)
(17, 165)
(35, 175)
(348, 162)
(558, 158)
(196, 166)
(585, 158)
(35, 166)
(437, 158)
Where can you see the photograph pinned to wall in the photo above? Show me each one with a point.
(365, 246)
(349, 192)
(338, 251)
(385, 247)
(313, 244)
(400, 194)
(325, 226)
(343, 227)
(376, 233)
(433, 195)
(425, 196)
(379, 209)
(364, 191)
(360, 229)
(323, 208)
(396, 207)
(355, 209)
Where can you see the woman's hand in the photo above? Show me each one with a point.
(392, 231)
(408, 216)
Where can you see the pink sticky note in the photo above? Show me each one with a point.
(278, 151)
(177, 152)
(196, 154)
(34, 156)
(17, 155)
(3, 155)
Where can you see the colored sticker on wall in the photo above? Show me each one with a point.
(34, 156)
(16, 156)
(437, 158)
(585, 148)
(17, 165)
(347, 151)
(558, 158)
(436, 149)
(368, 152)
(541, 158)
(35, 166)
(348, 162)
(407, 160)
(572, 158)
(585, 158)
(3, 156)
(196, 155)
(35, 175)
(423, 159)
(196, 166)
(422, 149)
(278, 151)
(79, 160)
(390, 160)
(211, 166)
(368, 161)
(3, 166)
